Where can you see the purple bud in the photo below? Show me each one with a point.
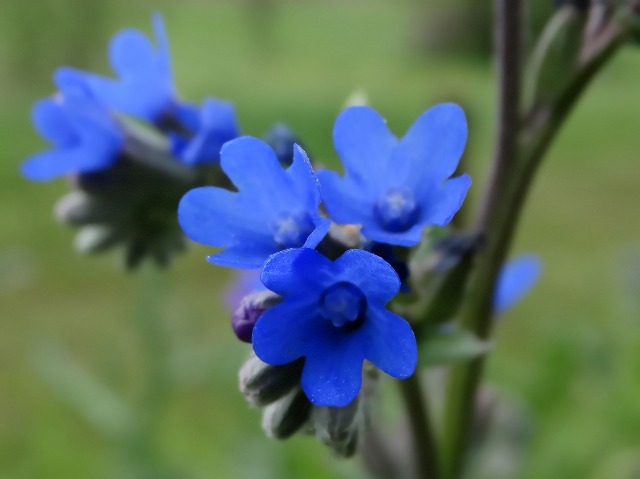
(251, 308)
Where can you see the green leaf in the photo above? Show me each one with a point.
(444, 346)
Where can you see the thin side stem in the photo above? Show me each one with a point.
(425, 452)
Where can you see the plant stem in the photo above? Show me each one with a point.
(520, 148)
(425, 452)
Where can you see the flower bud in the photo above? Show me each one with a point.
(94, 238)
(286, 416)
(264, 384)
(250, 309)
(342, 428)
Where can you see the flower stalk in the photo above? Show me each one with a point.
(521, 145)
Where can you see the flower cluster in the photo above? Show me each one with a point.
(130, 146)
(327, 297)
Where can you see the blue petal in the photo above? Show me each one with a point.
(53, 163)
(218, 217)
(322, 227)
(374, 276)
(432, 147)
(344, 200)
(390, 342)
(440, 204)
(95, 126)
(298, 271)
(332, 373)
(188, 115)
(364, 144)
(217, 126)
(255, 170)
(285, 332)
(132, 54)
(243, 256)
(68, 78)
(515, 280)
(303, 180)
(51, 122)
(163, 56)
(373, 231)
(145, 85)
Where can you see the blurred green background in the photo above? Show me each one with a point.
(80, 338)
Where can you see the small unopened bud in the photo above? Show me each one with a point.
(342, 428)
(251, 308)
(264, 384)
(338, 427)
(94, 238)
(286, 416)
(81, 208)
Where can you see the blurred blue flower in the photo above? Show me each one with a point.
(333, 315)
(85, 137)
(515, 280)
(281, 138)
(274, 208)
(209, 127)
(243, 283)
(144, 87)
(394, 188)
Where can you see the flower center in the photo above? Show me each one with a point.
(291, 230)
(396, 210)
(343, 304)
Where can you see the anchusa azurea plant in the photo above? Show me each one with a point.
(346, 277)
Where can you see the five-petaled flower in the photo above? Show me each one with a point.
(395, 187)
(333, 315)
(144, 88)
(86, 138)
(274, 208)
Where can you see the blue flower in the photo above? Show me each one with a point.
(333, 315)
(515, 280)
(394, 188)
(274, 208)
(85, 137)
(210, 127)
(144, 87)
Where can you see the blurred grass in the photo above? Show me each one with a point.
(569, 352)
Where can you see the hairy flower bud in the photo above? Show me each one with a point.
(342, 428)
(287, 415)
(251, 308)
(263, 384)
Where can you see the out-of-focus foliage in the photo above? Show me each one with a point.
(465, 26)
(40, 36)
